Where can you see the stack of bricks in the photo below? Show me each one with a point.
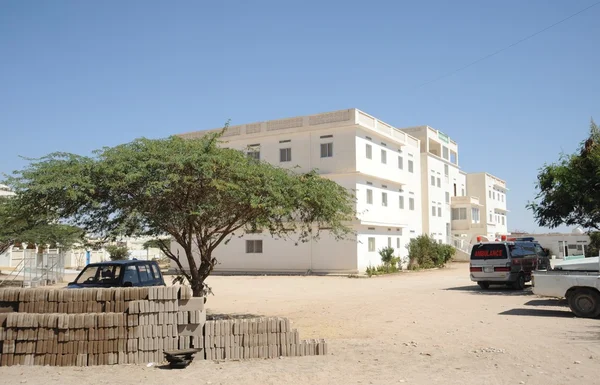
(97, 326)
(271, 337)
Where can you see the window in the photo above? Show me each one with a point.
(503, 220)
(493, 195)
(285, 154)
(410, 166)
(463, 192)
(445, 152)
(439, 211)
(401, 202)
(254, 246)
(447, 197)
(490, 194)
(491, 217)
(398, 242)
(389, 241)
(475, 215)
(131, 275)
(400, 163)
(369, 151)
(439, 182)
(371, 244)
(411, 204)
(383, 156)
(384, 199)
(326, 150)
(446, 171)
(155, 271)
(145, 273)
(432, 180)
(254, 152)
(502, 197)
(433, 211)
(369, 196)
(459, 214)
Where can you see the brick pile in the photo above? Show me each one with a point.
(83, 327)
(257, 338)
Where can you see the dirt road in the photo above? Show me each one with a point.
(432, 327)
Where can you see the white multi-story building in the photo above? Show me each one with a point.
(359, 152)
(441, 180)
(407, 182)
(491, 192)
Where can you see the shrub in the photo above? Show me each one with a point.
(117, 253)
(425, 253)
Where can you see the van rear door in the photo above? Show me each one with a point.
(489, 258)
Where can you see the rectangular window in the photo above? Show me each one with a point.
(439, 212)
(459, 214)
(371, 244)
(439, 182)
(410, 166)
(401, 202)
(447, 197)
(432, 180)
(502, 197)
(383, 156)
(389, 241)
(490, 193)
(254, 153)
(493, 195)
(326, 150)
(369, 196)
(285, 154)
(254, 246)
(503, 220)
(445, 152)
(433, 211)
(491, 217)
(400, 163)
(475, 215)
(411, 204)
(463, 192)
(384, 199)
(446, 170)
(369, 151)
(398, 242)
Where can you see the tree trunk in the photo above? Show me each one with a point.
(200, 275)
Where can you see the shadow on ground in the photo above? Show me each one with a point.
(493, 290)
(591, 333)
(539, 313)
(548, 302)
(220, 316)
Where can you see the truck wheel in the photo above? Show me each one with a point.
(519, 284)
(484, 285)
(585, 303)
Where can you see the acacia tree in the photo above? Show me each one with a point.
(18, 225)
(569, 189)
(192, 190)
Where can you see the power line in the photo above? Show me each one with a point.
(507, 47)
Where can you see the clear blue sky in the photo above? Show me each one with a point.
(79, 75)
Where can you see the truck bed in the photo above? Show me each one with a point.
(556, 283)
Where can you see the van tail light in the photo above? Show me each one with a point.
(475, 269)
(500, 268)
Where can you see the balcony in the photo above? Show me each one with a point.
(465, 201)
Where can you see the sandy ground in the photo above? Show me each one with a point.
(433, 327)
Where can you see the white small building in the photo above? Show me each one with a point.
(562, 244)
(5, 191)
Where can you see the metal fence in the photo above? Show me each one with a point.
(35, 269)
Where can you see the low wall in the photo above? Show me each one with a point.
(85, 327)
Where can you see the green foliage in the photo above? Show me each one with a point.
(387, 255)
(390, 264)
(593, 249)
(117, 253)
(18, 225)
(568, 189)
(425, 253)
(192, 191)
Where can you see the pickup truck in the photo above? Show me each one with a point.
(580, 286)
(126, 273)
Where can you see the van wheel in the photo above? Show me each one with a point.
(585, 303)
(519, 284)
(484, 285)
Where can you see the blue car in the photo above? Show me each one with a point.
(126, 273)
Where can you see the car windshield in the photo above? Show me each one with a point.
(105, 274)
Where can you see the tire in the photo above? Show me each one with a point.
(585, 303)
(519, 284)
(484, 285)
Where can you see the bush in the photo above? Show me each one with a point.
(390, 263)
(425, 253)
(117, 253)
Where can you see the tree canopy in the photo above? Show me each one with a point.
(569, 189)
(194, 191)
